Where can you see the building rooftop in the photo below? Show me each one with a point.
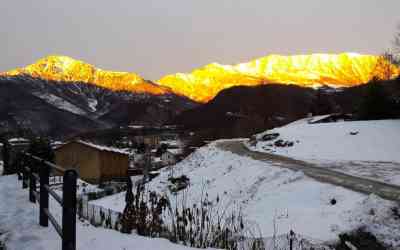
(98, 147)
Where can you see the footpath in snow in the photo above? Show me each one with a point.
(274, 199)
(20, 229)
(367, 149)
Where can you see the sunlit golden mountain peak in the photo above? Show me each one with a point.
(335, 70)
(66, 69)
(203, 84)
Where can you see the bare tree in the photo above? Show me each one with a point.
(385, 67)
(396, 40)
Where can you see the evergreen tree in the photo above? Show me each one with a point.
(41, 147)
(376, 103)
(141, 148)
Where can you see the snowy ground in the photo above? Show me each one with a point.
(372, 151)
(267, 194)
(82, 187)
(20, 230)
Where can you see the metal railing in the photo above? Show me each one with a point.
(36, 170)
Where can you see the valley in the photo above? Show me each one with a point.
(285, 146)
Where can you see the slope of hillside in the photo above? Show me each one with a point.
(245, 110)
(270, 197)
(335, 70)
(368, 149)
(242, 111)
(19, 109)
(353, 140)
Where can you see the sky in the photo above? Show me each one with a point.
(154, 38)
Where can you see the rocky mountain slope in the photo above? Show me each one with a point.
(315, 70)
(65, 69)
(59, 109)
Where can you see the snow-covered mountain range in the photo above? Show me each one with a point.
(61, 109)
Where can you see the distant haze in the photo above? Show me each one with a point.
(154, 38)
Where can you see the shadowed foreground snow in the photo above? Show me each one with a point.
(19, 227)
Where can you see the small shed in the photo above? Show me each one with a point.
(94, 163)
(337, 117)
(151, 141)
(171, 156)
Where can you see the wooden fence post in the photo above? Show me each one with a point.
(69, 210)
(44, 193)
(32, 186)
(24, 173)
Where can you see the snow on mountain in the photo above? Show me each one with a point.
(269, 195)
(38, 100)
(60, 103)
(362, 148)
(92, 103)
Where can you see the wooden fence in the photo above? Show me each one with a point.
(36, 170)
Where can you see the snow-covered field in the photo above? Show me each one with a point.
(363, 148)
(271, 196)
(20, 230)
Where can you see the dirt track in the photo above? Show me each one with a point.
(366, 186)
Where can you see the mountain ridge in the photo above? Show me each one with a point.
(32, 103)
(314, 70)
(66, 69)
(204, 83)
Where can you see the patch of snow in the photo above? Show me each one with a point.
(371, 140)
(368, 149)
(60, 103)
(82, 187)
(92, 103)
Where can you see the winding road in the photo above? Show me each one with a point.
(362, 185)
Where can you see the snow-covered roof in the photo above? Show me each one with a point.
(136, 126)
(312, 119)
(175, 143)
(104, 148)
(318, 118)
(99, 147)
(18, 140)
(175, 151)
